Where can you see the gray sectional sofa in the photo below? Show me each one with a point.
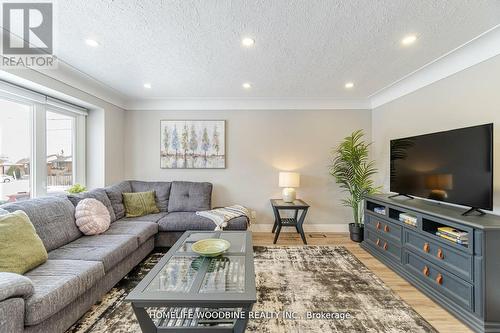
(81, 269)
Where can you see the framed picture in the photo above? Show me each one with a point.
(193, 144)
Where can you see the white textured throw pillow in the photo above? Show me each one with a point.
(92, 217)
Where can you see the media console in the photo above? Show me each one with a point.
(463, 278)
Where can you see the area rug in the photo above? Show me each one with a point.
(299, 289)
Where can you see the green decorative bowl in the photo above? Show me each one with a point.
(211, 247)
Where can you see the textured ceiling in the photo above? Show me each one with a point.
(304, 48)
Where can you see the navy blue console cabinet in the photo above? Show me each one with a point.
(463, 278)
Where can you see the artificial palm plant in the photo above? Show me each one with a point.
(353, 170)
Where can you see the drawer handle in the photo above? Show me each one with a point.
(426, 247)
(378, 242)
(426, 271)
(378, 225)
(439, 279)
(440, 254)
(386, 228)
(385, 246)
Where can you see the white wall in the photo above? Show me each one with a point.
(95, 149)
(259, 144)
(470, 97)
(114, 122)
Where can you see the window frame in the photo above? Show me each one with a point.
(39, 105)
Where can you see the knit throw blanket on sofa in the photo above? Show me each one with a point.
(221, 216)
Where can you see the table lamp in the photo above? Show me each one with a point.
(289, 181)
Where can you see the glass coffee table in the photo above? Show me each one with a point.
(188, 293)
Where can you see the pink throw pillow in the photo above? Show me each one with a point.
(92, 217)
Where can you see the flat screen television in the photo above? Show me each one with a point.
(453, 166)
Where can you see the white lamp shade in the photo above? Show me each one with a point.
(289, 179)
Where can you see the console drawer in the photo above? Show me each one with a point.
(447, 284)
(387, 247)
(457, 262)
(385, 228)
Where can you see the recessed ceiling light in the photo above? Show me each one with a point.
(349, 85)
(147, 85)
(408, 40)
(246, 85)
(248, 42)
(92, 42)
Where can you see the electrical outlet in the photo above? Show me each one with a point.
(253, 214)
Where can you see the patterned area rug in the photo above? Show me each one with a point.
(325, 289)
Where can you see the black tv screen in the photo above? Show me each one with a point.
(454, 166)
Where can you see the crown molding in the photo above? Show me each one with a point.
(477, 50)
(246, 104)
(75, 78)
(65, 82)
(75, 83)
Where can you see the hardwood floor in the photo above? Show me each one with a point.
(433, 313)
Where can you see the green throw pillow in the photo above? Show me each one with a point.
(21, 249)
(139, 203)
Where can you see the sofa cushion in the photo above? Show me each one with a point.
(52, 217)
(114, 193)
(190, 197)
(12, 314)
(162, 191)
(140, 203)
(238, 223)
(182, 221)
(92, 217)
(142, 230)
(145, 218)
(58, 283)
(20, 247)
(108, 249)
(98, 194)
(14, 285)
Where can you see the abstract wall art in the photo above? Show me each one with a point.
(193, 144)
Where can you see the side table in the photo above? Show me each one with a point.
(296, 221)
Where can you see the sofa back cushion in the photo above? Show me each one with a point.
(161, 189)
(114, 193)
(98, 194)
(52, 217)
(190, 197)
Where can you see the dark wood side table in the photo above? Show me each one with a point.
(296, 221)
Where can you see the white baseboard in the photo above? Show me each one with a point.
(307, 228)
